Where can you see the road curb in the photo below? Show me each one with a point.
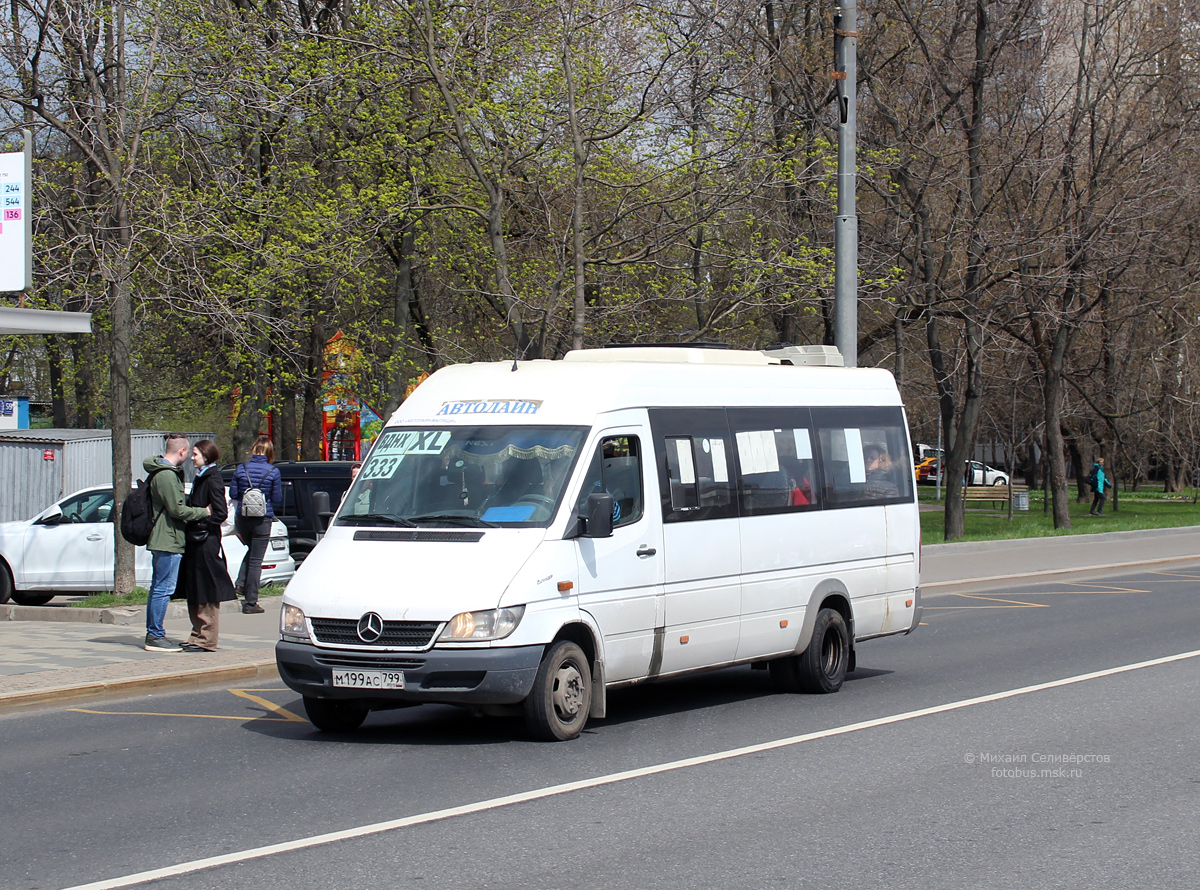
(124, 686)
(1064, 540)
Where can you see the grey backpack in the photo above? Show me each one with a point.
(254, 499)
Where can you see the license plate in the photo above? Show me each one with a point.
(369, 679)
(278, 545)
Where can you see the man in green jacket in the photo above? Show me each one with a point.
(167, 539)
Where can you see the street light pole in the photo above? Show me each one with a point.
(845, 230)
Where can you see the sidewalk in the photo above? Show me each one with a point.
(55, 653)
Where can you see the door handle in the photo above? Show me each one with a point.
(646, 551)
(95, 538)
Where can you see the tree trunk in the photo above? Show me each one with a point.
(1080, 463)
(898, 333)
(121, 421)
(245, 428)
(287, 425)
(960, 451)
(1055, 445)
(310, 431)
(404, 292)
(58, 396)
(83, 390)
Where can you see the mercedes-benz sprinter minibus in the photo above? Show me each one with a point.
(526, 536)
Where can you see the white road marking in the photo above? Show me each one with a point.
(1040, 573)
(612, 778)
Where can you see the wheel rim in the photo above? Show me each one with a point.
(831, 653)
(568, 692)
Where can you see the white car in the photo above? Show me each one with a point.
(981, 474)
(68, 547)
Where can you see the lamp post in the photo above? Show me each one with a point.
(845, 229)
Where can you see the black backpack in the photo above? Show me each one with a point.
(137, 513)
(1092, 478)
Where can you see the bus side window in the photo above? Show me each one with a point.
(777, 470)
(681, 471)
(857, 449)
(616, 468)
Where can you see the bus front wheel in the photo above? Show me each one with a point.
(558, 706)
(333, 716)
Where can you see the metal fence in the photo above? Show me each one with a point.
(38, 467)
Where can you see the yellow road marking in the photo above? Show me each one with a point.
(1096, 588)
(285, 716)
(270, 706)
(164, 714)
(977, 608)
(1010, 604)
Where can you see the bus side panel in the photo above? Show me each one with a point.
(903, 541)
(786, 556)
(780, 554)
(703, 594)
(855, 542)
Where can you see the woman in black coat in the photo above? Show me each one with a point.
(203, 574)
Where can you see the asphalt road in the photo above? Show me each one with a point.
(953, 783)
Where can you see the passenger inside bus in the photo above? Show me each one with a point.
(881, 479)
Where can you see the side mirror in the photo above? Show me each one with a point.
(320, 505)
(599, 515)
(53, 516)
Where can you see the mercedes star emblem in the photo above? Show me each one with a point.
(370, 627)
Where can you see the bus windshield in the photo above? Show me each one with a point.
(481, 476)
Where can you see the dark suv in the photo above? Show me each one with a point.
(300, 479)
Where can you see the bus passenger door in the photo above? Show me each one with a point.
(621, 577)
(702, 568)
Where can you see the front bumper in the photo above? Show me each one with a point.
(499, 676)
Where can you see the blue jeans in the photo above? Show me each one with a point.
(162, 585)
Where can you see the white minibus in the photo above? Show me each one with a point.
(526, 536)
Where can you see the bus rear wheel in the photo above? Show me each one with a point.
(821, 668)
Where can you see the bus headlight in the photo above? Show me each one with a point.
(494, 624)
(292, 626)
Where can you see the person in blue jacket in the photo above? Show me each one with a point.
(255, 533)
(1099, 482)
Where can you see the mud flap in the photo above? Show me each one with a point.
(599, 693)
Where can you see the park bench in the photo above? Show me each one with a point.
(995, 494)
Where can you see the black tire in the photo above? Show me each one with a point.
(1000, 482)
(558, 705)
(6, 583)
(31, 599)
(334, 716)
(822, 667)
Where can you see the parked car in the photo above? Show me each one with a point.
(68, 547)
(981, 474)
(301, 479)
(975, 473)
(922, 452)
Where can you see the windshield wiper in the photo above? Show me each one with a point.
(376, 519)
(454, 519)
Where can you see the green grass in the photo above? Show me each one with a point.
(1140, 510)
(139, 595)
